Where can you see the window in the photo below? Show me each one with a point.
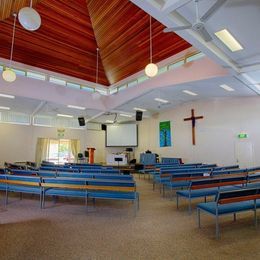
(36, 75)
(59, 151)
(57, 81)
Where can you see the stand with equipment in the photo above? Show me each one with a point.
(118, 159)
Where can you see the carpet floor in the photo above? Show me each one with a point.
(110, 230)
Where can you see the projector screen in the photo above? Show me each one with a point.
(121, 135)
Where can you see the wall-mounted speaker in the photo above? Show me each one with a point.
(138, 115)
(103, 127)
(81, 121)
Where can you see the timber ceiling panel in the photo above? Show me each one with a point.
(122, 34)
(66, 42)
(8, 7)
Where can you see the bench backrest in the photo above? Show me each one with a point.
(20, 180)
(238, 195)
(217, 182)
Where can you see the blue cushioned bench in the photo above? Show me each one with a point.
(90, 188)
(96, 176)
(20, 184)
(210, 187)
(108, 190)
(231, 202)
(182, 180)
(64, 187)
(165, 175)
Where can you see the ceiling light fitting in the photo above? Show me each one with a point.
(151, 69)
(7, 96)
(29, 18)
(229, 40)
(8, 73)
(126, 115)
(139, 109)
(4, 108)
(161, 100)
(76, 107)
(226, 87)
(189, 92)
(64, 115)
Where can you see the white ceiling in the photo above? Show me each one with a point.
(240, 17)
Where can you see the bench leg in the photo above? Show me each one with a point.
(189, 206)
(217, 227)
(43, 200)
(6, 197)
(86, 202)
(21, 196)
(255, 216)
(198, 215)
(153, 185)
(177, 201)
(235, 217)
(205, 199)
(163, 190)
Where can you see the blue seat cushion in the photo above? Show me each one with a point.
(227, 208)
(197, 193)
(24, 189)
(112, 195)
(65, 193)
(177, 184)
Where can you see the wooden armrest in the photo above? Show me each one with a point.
(64, 186)
(111, 188)
(15, 182)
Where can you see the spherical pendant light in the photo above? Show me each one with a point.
(29, 18)
(9, 75)
(151, 70)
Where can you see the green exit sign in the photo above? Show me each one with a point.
(242, 135)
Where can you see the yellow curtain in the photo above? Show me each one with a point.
(41, 150)
(75, 148)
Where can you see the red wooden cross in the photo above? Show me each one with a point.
(193, 119)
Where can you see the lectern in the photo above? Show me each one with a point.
(91, 151)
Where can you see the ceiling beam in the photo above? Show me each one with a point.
(172, 5)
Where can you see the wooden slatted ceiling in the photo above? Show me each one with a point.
(122, 34)
(8, 7)
(65, 42)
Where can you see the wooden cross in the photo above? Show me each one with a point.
(193, 119)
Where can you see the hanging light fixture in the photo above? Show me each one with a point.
(29, 18)
(151, 69)
(96, 94)
(8, 74)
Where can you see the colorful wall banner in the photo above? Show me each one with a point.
(165, 134)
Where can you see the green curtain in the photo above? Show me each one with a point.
(41, 150)
(75, 148)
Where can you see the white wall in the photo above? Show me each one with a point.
(216, 134)
(18, 142)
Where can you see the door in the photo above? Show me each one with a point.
(244, 153)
